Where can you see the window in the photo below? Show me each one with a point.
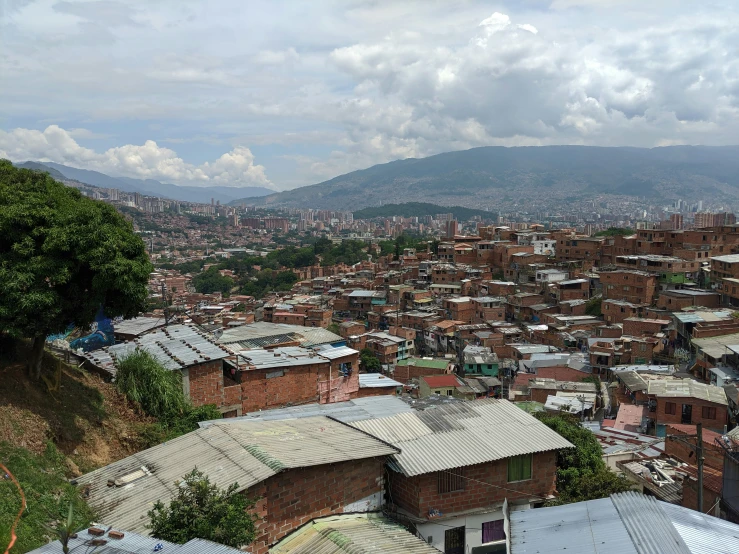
(708, 413)
(449, 392)
(450, 481)
(519, 468)
(670, 408)
(454, 541)
(493, 531)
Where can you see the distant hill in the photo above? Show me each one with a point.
(36, 166)
(483, 177)
(421, 209)
(149, 187)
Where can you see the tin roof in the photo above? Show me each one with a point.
(246, 453)
(355, 534)
(358, 409)
(377, 380)
(681, 388)
(625, 523)
(263, 333)
(423, 362)
(462, 434)
(137, 325)
(175, 347)
(133, 543)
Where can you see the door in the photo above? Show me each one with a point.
(687, 414)
(454, 541)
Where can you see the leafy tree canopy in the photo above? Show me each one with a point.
(201, 510)
(614, 232)
(62, 257)
(369, 362)
(211, 281)
(581, 472)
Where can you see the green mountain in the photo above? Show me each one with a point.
(37, 166)
(484, 177)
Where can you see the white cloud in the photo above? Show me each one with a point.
(147, 161)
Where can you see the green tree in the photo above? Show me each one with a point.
(593, 306)
(581, 472)
(368, 361)
(200, 510)
(211, 281)
(63, 256)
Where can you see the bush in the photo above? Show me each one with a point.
(581, 472)
(201, 510)
(158, 391)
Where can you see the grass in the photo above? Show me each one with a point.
(48, 495)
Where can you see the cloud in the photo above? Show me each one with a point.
(147, 161)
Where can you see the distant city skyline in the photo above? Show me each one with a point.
(287, 94)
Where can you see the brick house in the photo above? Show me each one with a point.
(616, 311)
(268, 460)
(413, 368)
(457, 465)
(295, 375)
(208, 369)
(637, 327)
(638, 287)
(684, 401)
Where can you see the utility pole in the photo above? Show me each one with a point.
(698, 449)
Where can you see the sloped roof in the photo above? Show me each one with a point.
(352, 534)
(463, 434)
(435, 381)
(246, 453)
(681, 388)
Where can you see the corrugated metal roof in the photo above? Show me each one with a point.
(462, 434)
(703, 534)
(133, 543)
(650, 529)
(376, 380)
(679, 388)
(625, 523)
(355, 534)
(175, 347)
(263, 333)
(352, 410)
(246, 453)
(581, 528)
(137, 325)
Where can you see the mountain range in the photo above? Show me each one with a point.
(148, 187)
(487, 177)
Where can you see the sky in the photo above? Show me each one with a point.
(283, 94)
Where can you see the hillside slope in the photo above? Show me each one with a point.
(483, 177)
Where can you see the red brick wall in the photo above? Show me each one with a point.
(640, 327)
(404, 373)
(206, 383)
(296, 496)
(697, 415)
(298, 385)
(420, 494)
(376, 391)
(713, 454)
(690, 496)
(232, 395)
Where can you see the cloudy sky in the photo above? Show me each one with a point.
(287, 93)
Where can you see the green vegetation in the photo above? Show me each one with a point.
(334, 328)
(400, 243)
(62, 257)
(581, 472)
(267, 280)
(593, 306)
(421, 209)
(614, 232)
(369, 362)
(211, 281)
(48, 496)
(158, 391)
(348, 252)
(201, 510)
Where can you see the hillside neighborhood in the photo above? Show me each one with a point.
(429, 398)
